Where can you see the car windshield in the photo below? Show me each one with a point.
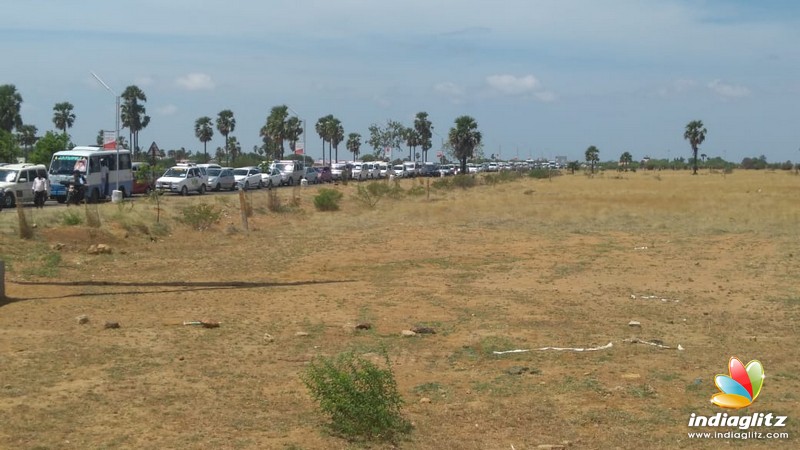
(241, 172)
(8, 176)
(176, 172)
(398, 167)
(212, 172)
(339, 166)
(284, 167)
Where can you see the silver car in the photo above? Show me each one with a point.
(220, 178)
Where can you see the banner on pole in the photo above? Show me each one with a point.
(109, 140)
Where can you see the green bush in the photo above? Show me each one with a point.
(327, 200)
(201, 216)
(442, 183)
(416, 190)
(360, 398)
(464, 181)
(370, 194)
(540, 173)
(71, 218)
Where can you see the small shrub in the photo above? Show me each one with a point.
(396, 191)
(92, 215)
(464, 181)
(71, 218)
(442, 183)
(327, 200)
(201, 216)
(360, 398)
(539, 174)
(370, 194)
(416, 190)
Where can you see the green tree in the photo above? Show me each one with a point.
(354, 144)
(63, 117)
(225, 125)
(48, 144)
(294, 129)
(276, 127)
(27, 138)
(695, 133)
(336, 134)
(204, 131)
(10, 105)
(464, 138)
(134, 115)
(424, 129)
(8, 148)
(625, 160)
(234, 149)
(412, 141)
(322, 130)
(391, 136)
(592, 156)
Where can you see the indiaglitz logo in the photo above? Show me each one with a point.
(741, 387)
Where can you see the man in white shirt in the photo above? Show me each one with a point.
(39, 190)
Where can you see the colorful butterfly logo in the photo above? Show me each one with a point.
(741, 388)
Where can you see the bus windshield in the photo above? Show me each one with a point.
(66, 164)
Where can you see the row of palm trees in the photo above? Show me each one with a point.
(132, 115)
(695, 133)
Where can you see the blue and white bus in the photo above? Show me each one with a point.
(90, 161)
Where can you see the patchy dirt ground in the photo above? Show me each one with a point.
(708, 263)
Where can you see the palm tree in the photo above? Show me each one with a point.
(225, 125)
(294, 129)
(424, 129)
(234, 148)
(625, 160)
(464, 138)
(10, 105)
(354, 144)
(133, 114)
(592, 156)
(336, 135)
(63, 117)
(276, 126)
(27, 138)
(322, 130)
(412, 140)
(695, 133)
(204, 130)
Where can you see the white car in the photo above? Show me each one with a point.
(373, 170)
(311, 175)
(248, 178)
(383, 169)
(182, 179)
(360, 171)
(271, 178)
(16, 182)
(220, 178)
(399, 171)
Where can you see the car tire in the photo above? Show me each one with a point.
(9, 201)
(184, 191)
(269, 184)
(202, 189)
(260, 184)
(233, 187)
(291, 181)
(217, 187)
(246, 185)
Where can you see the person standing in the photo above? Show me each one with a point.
(104, 176)
(40, 189)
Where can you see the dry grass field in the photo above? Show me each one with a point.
(706, 262)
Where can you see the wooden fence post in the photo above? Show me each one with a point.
(2, 279)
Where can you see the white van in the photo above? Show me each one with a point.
(412, 168)
(16, 182)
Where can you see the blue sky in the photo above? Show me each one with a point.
(542, 78)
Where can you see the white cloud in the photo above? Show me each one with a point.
(450, 90)
(527, 86)
(167, 110)
(678, 86)
(512, 85)
(195, 82)
(728, 90)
